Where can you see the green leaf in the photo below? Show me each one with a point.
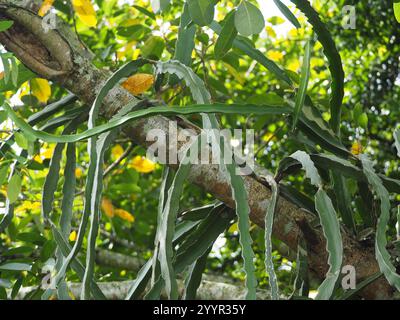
(197, 243)
(334, 59)
(362, 120)
(396, 8)
(9, 207)
(5, 24)
(94, 179)
(226, 37)
(167, 228)
(343, 200)
(248, 19)
(24, 74)
(76, 265)
(185, 42)
(348, 294)
(21, 140)
(15, 266)
(3, 174)
(195, 84)
(201, 11)
(301, 284)
(382, 255)
(143, 276)
(334, 246)
(5, 283)
(268, 222)
(195, 274)
(167, 180)
(397, 141)
(308, 166)
(159, 5)
(302, 92)
(144, 113)
(287, 13)
(14, 188)
(153, 47)
(317, 130)
(255, 54)
(330, 227)
(239, 194)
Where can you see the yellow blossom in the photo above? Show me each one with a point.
(275, 55)
(356, 148)
(117, 151)
(107, 207)
(46, 6)
(78, 173)
(142, 164)
(125, 215)
(72, 236)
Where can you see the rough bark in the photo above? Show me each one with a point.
(58, 56)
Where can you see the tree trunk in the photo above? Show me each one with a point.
(59, 56)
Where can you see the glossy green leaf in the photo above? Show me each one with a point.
(302, 92)
(134, 115)
(15, 266)
(248, 19)
(185, 42)
(330, 227)
(397, 141)
(334, 246)
(201, 11)
(159, 5)
(382, 255)
(195, 274)
(396, 8)
(14, 188)
(269, 221)
(226, 37)
(334, 59)
(287, 13)
(5, 24)
(167, 227)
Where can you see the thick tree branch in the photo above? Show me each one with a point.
(81, 77)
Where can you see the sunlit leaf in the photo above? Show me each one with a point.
(41, 89)
(85, 11)
(138, 83)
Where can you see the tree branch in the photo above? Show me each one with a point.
(81, 77)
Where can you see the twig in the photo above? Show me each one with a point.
(119, 160)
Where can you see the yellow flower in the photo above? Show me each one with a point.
(275, 55)
(38, 158)
(107, 207)
(142, 164)
(294, 65)
(125, 215)
(85, 11)
(117, 151)
(270, 31)
(48, 153)
(46, 6)
(78, 173)
(356, 148)
(41, 89)
(28, 206)
(233, 228)
(72, 236)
